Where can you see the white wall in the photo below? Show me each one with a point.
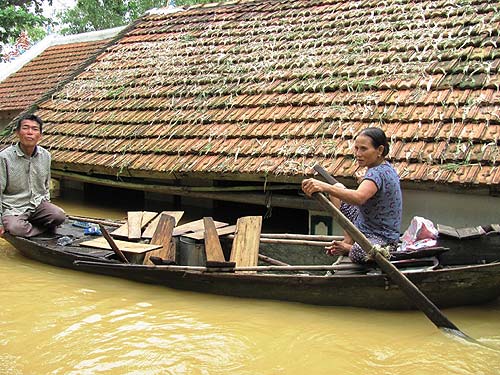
(455, 210)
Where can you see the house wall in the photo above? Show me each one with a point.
(456, 210)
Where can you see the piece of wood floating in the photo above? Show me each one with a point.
(220, 231)
(150, 229)
(134, 219)
(305, 237)
(163, 236)
(125, 246)
(195, 226)
(96, 221)
(245, 249)
(112, 244)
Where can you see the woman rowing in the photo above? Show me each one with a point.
(376, 206)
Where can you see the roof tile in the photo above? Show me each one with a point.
(258, 87)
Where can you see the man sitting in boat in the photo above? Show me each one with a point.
(375, 207)
(24, 184)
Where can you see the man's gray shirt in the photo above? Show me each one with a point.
(24, 180)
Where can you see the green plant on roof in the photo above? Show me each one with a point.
(206, 148)
(454, 166)
(115, 92)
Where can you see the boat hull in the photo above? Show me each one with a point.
(468, 285)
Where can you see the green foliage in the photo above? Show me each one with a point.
(192, 2)
(92, 15)
(21, 15)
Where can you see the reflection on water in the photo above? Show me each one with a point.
(56, 321)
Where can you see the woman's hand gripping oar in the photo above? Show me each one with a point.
(411, 291)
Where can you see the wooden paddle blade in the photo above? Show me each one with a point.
(415, 295)
(213, 248)
(245, 250)
(163, 236)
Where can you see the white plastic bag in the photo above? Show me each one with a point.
(420, 234)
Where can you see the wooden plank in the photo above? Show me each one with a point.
(220, 231)
(121, 232)
(150, 229)
(125, 246)
(163, 236)
(245, 250)
(147, 216)
(194, 226)
(213, 248)
(134, 219)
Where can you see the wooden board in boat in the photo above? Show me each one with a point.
(130, 247)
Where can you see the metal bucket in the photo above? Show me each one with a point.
(191, 252)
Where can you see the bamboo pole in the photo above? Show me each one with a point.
(272, 261)
(112, 244)
(267, 268)
(97, 221)
(338, 267)
(307, 237)
(290, 242)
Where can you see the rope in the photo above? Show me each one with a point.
(384, 250)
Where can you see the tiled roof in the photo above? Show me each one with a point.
(56, 63)
(269, 88)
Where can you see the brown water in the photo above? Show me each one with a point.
(56, 321)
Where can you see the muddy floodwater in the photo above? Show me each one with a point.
(57, 321)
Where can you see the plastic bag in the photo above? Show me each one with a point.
(420, 234)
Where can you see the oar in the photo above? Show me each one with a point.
(411, 291)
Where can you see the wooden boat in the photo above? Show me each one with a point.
(475, 280)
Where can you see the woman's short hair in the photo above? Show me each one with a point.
(378, 138)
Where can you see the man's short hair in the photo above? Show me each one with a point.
(31, 117)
